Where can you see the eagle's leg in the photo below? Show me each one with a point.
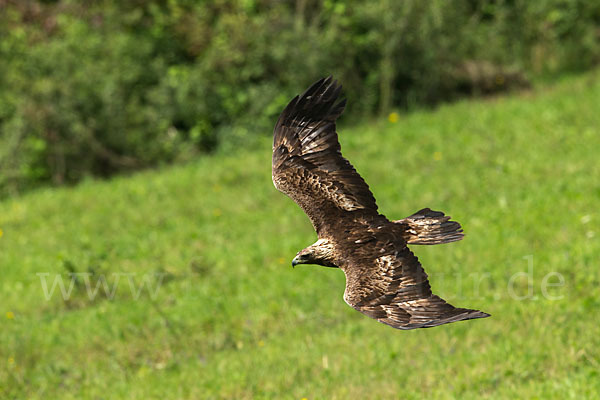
(319, 253)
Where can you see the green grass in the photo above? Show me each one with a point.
(231, 318)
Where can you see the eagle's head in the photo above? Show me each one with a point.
(319, 253)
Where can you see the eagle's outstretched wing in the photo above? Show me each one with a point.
(307, 162)
(394, 289)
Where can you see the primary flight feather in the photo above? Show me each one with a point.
(384, 279)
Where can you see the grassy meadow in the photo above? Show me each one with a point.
(180, 286)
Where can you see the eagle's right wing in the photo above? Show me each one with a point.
(307, 161)
(394, 290)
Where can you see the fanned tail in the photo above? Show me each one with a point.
(430, 227)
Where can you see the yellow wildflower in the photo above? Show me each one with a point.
(10, 315)
(393, 117)
(1, 233)
(437, 156)
(11, 360)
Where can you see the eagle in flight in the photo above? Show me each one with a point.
(384, 279)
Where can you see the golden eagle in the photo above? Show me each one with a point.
(384, 279)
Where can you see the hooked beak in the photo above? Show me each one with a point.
(295, 262)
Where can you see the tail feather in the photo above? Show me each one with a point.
(430, 227)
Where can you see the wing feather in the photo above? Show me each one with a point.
(394, 289)
(308, 164)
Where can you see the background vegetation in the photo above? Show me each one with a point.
(99, 87)
(178, 280)
(226, 317)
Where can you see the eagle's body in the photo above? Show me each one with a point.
(384, 279)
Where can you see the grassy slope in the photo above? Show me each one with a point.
(233, 320)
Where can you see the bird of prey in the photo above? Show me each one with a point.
(384, 279)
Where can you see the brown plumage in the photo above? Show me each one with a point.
(384, 279)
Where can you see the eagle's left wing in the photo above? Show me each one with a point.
(307, 161)
(394, 290)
